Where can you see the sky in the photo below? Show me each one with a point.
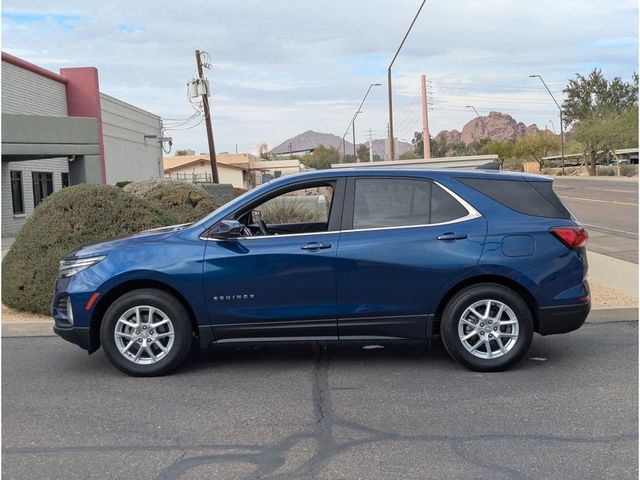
(281, 67)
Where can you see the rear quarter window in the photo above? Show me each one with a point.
(529, 198)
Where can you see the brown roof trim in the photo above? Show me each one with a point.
(199, 160)
(18, 62)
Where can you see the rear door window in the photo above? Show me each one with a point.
(390, 202)
(395, 202)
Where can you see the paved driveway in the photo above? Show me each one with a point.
(339, 411)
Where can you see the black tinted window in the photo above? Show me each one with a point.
(529, 198)
(389, 202)
(444, 207)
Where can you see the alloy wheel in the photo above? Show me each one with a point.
(144, 335)
(488, 329)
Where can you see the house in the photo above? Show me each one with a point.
(59, 129)
(197, 169)
(242, 170)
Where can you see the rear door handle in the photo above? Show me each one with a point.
(313, 246)
(450, 237)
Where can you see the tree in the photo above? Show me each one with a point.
(182, 153)
(536, 147)
(322, 158)
(601, 134)
(439, 147)
(363, 153)
(418, 144)
(263, 151)
(504, 150)
(595, 94)
(409, 156)
(604, 114)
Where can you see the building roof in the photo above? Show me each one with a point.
(181, 161)
(468, 161)
(18, 62)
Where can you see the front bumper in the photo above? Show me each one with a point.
(79, 336)
(562, 319)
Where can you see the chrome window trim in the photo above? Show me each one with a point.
(472, 214)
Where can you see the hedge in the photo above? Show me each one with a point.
(65, 221)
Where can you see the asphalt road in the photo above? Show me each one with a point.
(609, 209)
(569, 411)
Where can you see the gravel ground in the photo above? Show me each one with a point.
(601, 297)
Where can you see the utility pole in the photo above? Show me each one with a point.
(426, 141)
(207, 118)
(370, 146)
(392, 147)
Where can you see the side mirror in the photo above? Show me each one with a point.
(227, 229)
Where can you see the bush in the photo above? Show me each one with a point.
(513, 164)
(123, 184)
(67, 220)
(186, 201)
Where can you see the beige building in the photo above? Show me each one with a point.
(197, 169)
(242, 170)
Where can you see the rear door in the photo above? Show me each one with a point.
(403, 240)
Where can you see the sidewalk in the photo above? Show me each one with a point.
(613, 273)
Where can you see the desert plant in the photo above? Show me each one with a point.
(65, 221)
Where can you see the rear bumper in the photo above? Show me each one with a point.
(563, 319)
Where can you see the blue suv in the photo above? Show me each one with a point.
(484, 259)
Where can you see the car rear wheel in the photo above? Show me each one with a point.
(487, 327)
(146, 332)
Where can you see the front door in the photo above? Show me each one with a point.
(278, 280)
(404, 240)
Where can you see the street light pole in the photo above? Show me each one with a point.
(484, 125)
(561, 122)
(392, 149)
(353, 121)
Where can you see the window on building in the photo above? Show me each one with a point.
(42, 186)
(64, 176)
(16, 193)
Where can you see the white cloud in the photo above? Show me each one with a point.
(281, 67)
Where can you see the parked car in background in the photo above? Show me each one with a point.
(484, 259)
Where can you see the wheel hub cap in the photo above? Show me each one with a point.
(144, 335)
(488, 329)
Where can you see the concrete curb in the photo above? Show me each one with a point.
(44, 328)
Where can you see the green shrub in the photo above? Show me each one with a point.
(123, 183)
(67, 220)
(186, 202)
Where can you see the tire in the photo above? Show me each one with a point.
(151, 322)
(501, 339)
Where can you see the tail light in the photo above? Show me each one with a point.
(572, 237)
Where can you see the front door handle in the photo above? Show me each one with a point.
(450, 237)
(313, 246)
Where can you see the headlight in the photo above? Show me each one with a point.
(71, 267)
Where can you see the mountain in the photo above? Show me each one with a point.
(496, 126)
(309, 140)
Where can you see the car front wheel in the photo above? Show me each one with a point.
(487, 327)
(146, 332)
